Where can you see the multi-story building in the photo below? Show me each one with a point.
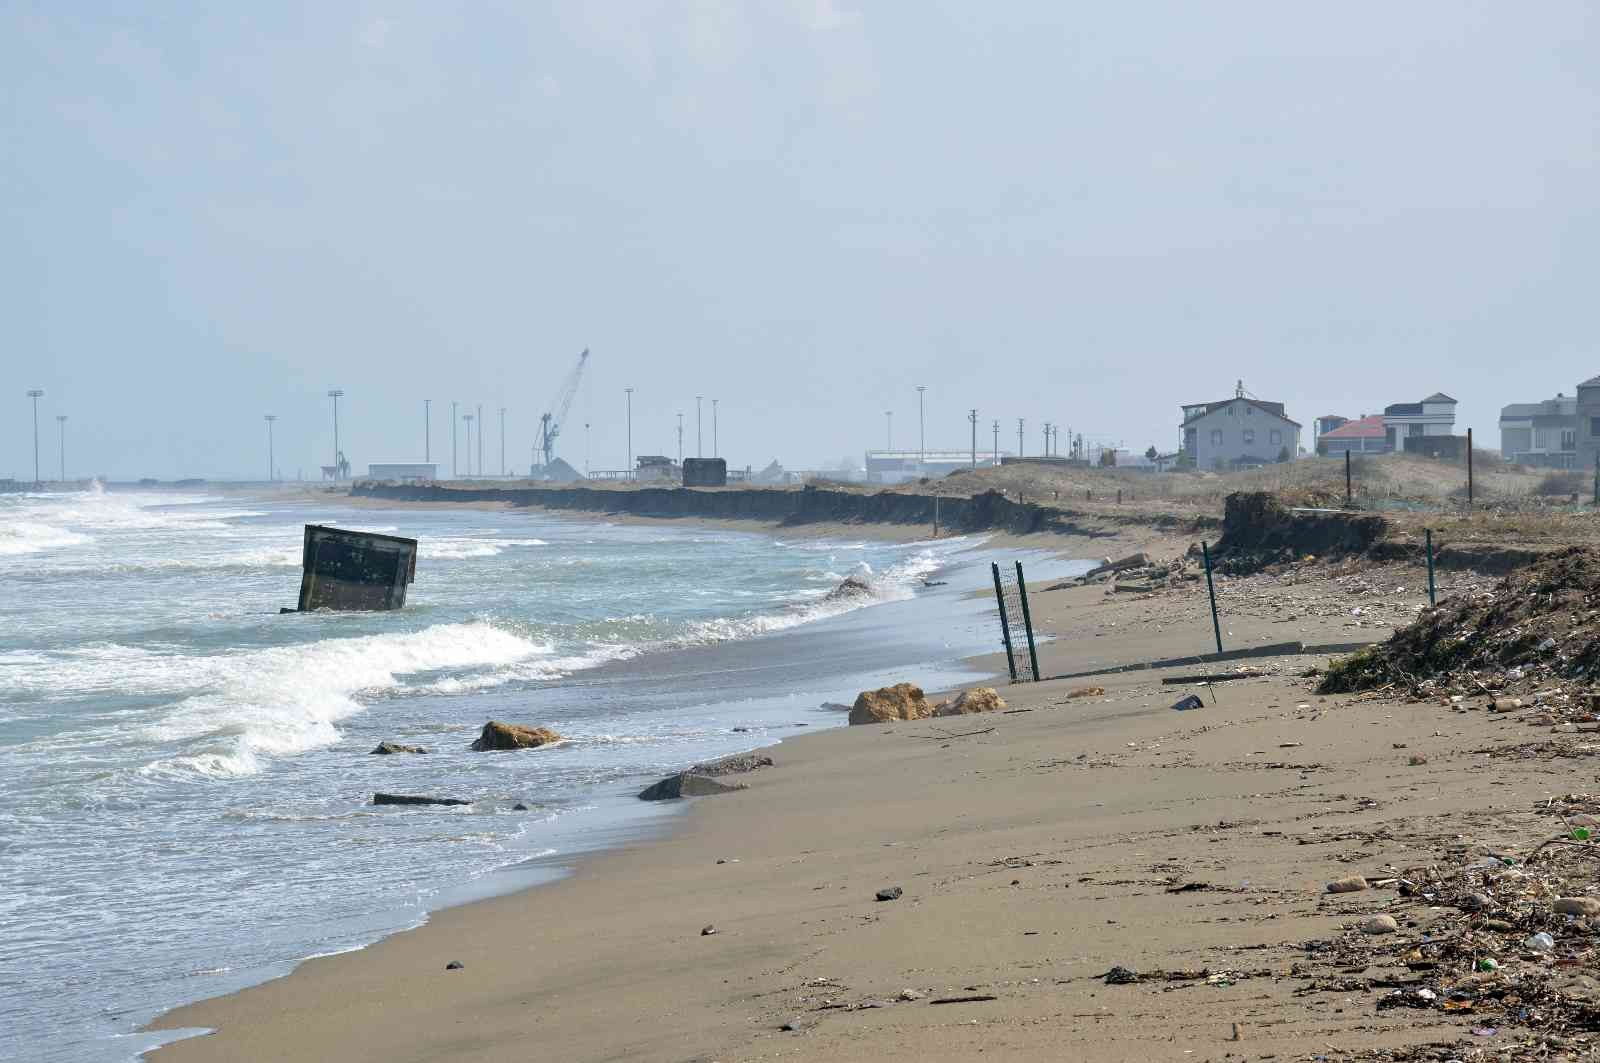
(1433, 416)
(1541, 433)
(1239, 431)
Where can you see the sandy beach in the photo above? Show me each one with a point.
(1035, 849)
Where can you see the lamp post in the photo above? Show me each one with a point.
(427, 430)
(1021, 451)
(716, 449)
(922, 432)
(680, 440)
(888, 418)
(61, 447)
(480, 439)
(627, 474)
(453, 439)
(502, 441)
(34, 394)
(272, 461)
(973, 417)
(467, 417)
(997, 443)
(335, 395)
(699, 436)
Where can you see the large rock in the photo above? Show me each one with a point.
(903, 701)
(390, 748)
(734, 765)
(687, 784)
(497, 735)
(978, 699)
(851, 587)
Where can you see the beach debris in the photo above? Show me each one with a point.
(388, 748)
(976, 998)
(707, 931)
(414, 799)
(1109, 566)
(909, 995)
(1540, 942)
(1085, 692)
(978, 699)
(1348, 884)
(794, 1025)
(903, 701)
(1237, 1034)
(737, 764)
(1380, 924)
(687, 784)
(1475, 902)
(355, 570)
(455, 965)
(1588, 907)
(1191, 702)
(1416, 760)
(497, 735)
(1121, 976)
(890, 893)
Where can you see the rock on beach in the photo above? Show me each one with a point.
(903, 701)
(497, 735)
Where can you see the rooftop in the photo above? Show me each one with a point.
(1362, 428)
(1200, 409)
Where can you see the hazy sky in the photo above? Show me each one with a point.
(1082, 213)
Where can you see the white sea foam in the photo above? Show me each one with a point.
(18, 537)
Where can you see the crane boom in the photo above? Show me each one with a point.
(551, 422)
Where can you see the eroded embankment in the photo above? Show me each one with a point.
(989, 511)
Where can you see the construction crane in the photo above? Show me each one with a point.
(551, 423)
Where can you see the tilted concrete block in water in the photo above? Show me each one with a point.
(355, 570)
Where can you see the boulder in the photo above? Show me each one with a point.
(388, 748)
(903, 701)
(1380, 924)
(497, 735)
(734, 765)
(687, 784)
(978, 699)
(851, 587)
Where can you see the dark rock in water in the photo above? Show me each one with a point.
(733, 765)
(455, 965)
(686, 785)
(497, 735)
(520, 807)
(893, 893)
(834, 706)
(412, 799)
(741, 730)
(852, 587)
(386, 748)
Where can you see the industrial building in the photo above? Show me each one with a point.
(898, 466)
(405, 471)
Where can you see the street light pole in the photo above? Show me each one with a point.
(888, 417)
(627, 474)
(699, 436)
(467, 417)
(334, 395)
(34, 394)
(1021, 450)
(922, 433)
(427, 430)
(453, 473)
(973, 417)
(480, 439)
(272, 461)
(680, 440)
(716, 448)
(502, 441)
(997, 443)
(61, 447)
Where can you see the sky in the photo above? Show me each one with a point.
(1084, 214)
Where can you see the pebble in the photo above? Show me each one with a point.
(1348, 884)
(910, 994)
(1588, 906)
(455, 965)
(1475, 902)
(1380, 924)
(1416, 760)
(794, 1025)
(707, 931)
(1121, 976)
(893, 893)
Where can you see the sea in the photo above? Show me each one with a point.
(186, 779)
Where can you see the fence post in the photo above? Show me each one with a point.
(1005, 627)
(935, 516)
(1211, 588)
(1433, 598)
(1347, 491)
(1597, 478)
(1469, 466)
(1027, 622)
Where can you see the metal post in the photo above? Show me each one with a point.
(1347, 480)
(467, 418)
(1027, 622)
(716, 448)
(997, 443)
(973, 417)
(699, 435)
(1021, 450)
(61, 446)
(34, 394)
(936, 516)
(334, 395)
(1433, 597)
(680, 438)
(1211, 588)
(922, 433)
(627, 473)
(480, 439)
(1005, 625)
(272, 463)
(1469, 466)
(427, 430)
(453, 472)
(502, 441)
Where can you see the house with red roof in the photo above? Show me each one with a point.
(1364, 435)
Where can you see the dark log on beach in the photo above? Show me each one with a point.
(412, 799)
(686, 785)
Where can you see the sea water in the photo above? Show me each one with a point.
(185, 778)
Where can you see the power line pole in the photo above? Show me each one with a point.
(973, 417)
(272, 461)
(627, 474)
(61, 447)
(680, 439)
(427, 430)
(699, 436)
(888, 416)
(335, 395)
(467, 417)
(453, 433)
(586, 450)
(480, 439)
(1047, 439)
(502, 441)
(997, 443)
(716, 448)
(34, 394)
(1021, 450)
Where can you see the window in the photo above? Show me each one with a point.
(1415, 430)
(1216, 437)
(1249, 437)
(1231, 410)
(1594, 426)
(1569, 439)
(1276, 437)
(1250, 410)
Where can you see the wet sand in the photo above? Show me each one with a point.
(1036, 850)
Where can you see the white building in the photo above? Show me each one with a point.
(1433, 416)
(1238, 431)
(403, 470)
